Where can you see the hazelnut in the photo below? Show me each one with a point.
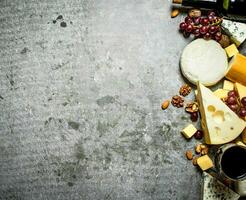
(189, 155)
(194, 160)
(194, 13)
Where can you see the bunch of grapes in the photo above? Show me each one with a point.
(235, 104)
(207, 27)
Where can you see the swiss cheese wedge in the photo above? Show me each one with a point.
(219, 123)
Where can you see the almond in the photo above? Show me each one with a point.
(174, 13)
(189, 155)
(165, 105)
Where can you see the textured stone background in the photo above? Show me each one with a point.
(80, 105)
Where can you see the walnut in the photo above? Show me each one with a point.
(185, 90)
(177, 101)
(191, 107)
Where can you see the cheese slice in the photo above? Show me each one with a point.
(213, 189)
(221, 93)
(220, 124)
(241, 90)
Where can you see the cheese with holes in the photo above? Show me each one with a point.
(205, 162)
(220, 124)
(213, 189)
(236, 30)
(228, 85)
(189, 131)
(231, 50)
(221, 93)
(237, 69)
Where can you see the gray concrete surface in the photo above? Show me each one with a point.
(80, 102)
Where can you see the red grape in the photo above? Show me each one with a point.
(197, 20)
(207, 36)
(242, 112)
(188, 20)
(212, 29)
(182, 26)
(204, 21)
(231, 100)
(232, 93)
(203, 30)
(211, 13)
(218, 36)
(198, 134)
(243, 101)
(194, 116)
(233, 107)
(189, 28)
(196, 32)
(210, 18)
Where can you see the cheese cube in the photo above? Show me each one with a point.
(189, 131)
(221, 93)
(204, 162)
(228, 85)
(231, 50)
(237, 69)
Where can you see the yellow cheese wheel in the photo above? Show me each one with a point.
(237, 69)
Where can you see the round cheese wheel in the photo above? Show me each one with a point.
(204, 61)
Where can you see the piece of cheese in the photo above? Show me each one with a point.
(241, 90)
(204, 162)
(237, 69)
(204, 61)
(213, 189)
(231, 50)
(228, 85)
(239, 141)
(236, 31)
(189, 131)
(244, 136)
(220, 124)
(221, 93)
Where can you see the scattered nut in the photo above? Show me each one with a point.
(198, 148)
(185, 90)
(225, 41)
(204, 149)
(191, 107)
(189, 155)
(174, 13)
(165, 105)
(195, 13)
(177, 101)
(194, 160)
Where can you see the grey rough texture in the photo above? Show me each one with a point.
(80, 105)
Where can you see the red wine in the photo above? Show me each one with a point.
(233, 9)
(233, 162)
